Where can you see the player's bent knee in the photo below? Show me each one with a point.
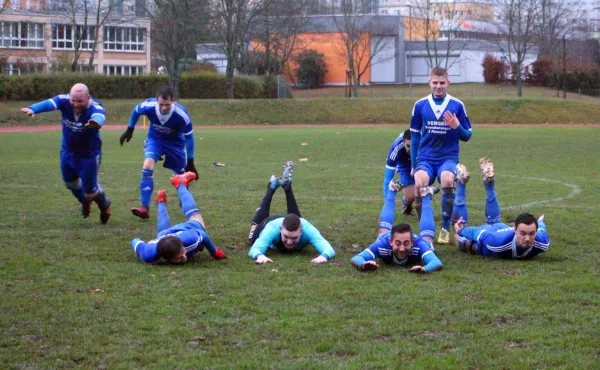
(197, 217)
(91, 196)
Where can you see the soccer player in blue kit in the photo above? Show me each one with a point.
(398, 160)
(400, 246)
(525, 240)
(80, 153)
(438, 122)
(177, 244)
(289, 233)
(170, 134)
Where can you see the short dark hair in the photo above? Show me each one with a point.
(169, 247)
(438, 72)
(527, 219)
(291, 222)
(400, 229)
(407, 134)
(165, 92)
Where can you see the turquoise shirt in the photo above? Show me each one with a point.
(270, 238)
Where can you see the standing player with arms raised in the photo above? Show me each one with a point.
(80, 153)
(439, 121)
(170, 135)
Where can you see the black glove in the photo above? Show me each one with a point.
(127, 135)
(190, 167)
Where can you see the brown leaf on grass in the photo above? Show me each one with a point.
(96, 290)
(472, 298)
(274, 270)
(303, 160)
(304, 144)
(197, 340)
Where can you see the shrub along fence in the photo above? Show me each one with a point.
(203, 85)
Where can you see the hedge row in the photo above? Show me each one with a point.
(203, 85)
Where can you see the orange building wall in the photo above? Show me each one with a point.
(331, 46)
(416, 29)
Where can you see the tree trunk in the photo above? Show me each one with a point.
(519, 83)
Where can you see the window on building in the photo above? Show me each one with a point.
(449, 14)
(397, 11)
(437, 13)
(123, 70)
(21, 35)
(124, 39)
(86, 36)
(384, 12)
(62, 37)
(458, 13)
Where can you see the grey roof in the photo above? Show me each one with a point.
(385, 24)
(459, 45)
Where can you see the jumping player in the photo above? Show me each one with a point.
(438, 122)
(398, 161)
(80, 153)
(170, 135)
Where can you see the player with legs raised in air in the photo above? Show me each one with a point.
(401, 247)
(439, 121)
(525, 240)
(398, 160)
(81, 149)
(177, 244)
(170, 135)
(290, 233)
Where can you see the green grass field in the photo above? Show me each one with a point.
(73, 294)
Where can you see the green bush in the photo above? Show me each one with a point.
(202, 85)
(311, 69)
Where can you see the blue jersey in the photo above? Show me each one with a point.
(191, 234)
(270, 238)
(76, 138)
(499, 240)
(438, 142)
(381, 248)
(398, 158)
(165, 127)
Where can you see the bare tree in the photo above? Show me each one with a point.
(86, 18)
(275, 30)
(437, 24)
(357, 46)
(518, 19)
(176, 27)
(230, 24)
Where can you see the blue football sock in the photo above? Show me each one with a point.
(427, 224)
(101, 199)
(188, 204)
(77, 191)
(460, 203)
(447, 206)
(146, 187)
(492, 209)
(164, 222)
(386, 218)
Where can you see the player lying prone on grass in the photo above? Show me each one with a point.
(177, 244)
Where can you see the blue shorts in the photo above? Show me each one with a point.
(435, 169)
(405, 178)
(175, 156)
(73, 167)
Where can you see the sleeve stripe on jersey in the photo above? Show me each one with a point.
(183, 115)
(389, 167)
(540, 245)
(64, 96)
(148, 104)
(368, 250)
(394, 153)
(461, 103)
(99, 114)
(136, 245)
(193, 246)
(502, 248)
(426, 253)
(479, 236)
(53, 103)
(414, 130)
(187, 133)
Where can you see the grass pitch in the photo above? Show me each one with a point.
(73, 293)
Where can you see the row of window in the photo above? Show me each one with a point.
(64, 36)
(27, 68)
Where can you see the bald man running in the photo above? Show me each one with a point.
(80, 152)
